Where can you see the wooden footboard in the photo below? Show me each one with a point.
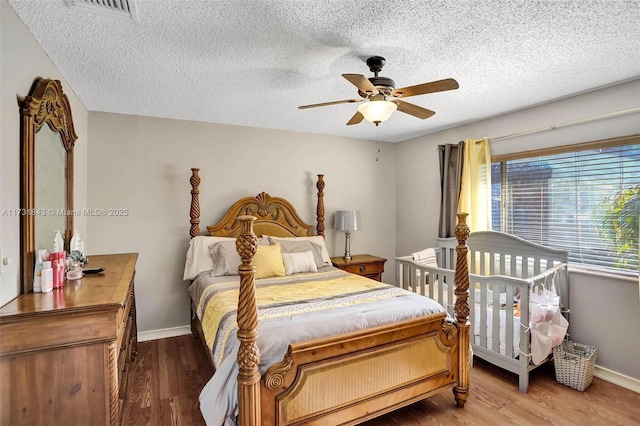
(353, 377)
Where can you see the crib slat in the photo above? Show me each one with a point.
(525, 345)
(451, 298)
(536, 266)
(509, 319)
(483, 315)
(447, 281)
(425, 289)
(495, 319)
(414, 277)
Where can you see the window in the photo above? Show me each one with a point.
(586, 201)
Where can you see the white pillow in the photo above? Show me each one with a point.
(225, 258)
(198, 256)
(297, 263)
(318, 239)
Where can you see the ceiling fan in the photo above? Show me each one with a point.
(375, 90)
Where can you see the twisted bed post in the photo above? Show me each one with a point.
(194, 230)
(248, 354)
(320, 206)
(195, 203)
(461, 280)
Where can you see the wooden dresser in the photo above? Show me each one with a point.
(64, 355)
(362, 264)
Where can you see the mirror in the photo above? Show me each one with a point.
(47, 172)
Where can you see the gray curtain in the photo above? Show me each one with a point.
(451, 158)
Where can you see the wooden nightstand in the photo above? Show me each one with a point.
(362, 264)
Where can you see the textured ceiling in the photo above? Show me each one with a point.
(252, 63)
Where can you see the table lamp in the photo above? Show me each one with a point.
(347, 220)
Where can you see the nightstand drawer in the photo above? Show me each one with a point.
(362, 264)
(365, 269)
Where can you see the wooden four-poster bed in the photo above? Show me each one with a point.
(343, 378)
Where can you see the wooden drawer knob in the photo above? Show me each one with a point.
(363, 268)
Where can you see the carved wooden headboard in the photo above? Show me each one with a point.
(274, 216)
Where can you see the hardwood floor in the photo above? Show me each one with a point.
(168, 374)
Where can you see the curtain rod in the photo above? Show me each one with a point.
(569, 123)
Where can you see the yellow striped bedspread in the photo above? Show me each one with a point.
(300, 307)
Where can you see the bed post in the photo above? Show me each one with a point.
(320, 209)
(195, 203)
(194, 231)
(461, 280)
(248, 354)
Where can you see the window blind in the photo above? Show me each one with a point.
(573, 201)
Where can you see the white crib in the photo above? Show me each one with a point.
(502, 267)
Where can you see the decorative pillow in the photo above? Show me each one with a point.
(318, 239)
(198, 256)
(300, 246)
(297, 263)
(268, 262)
(225, 258)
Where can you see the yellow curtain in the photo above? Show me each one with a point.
(475, 191)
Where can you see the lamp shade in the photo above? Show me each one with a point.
(347, 220)
(377, 111)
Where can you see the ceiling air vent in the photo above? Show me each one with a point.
(118, 8)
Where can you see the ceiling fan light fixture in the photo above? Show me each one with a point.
(377, 111)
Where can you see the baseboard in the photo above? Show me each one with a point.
(143, 336)
(617, 378)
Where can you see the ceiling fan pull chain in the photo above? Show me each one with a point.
(378, 144)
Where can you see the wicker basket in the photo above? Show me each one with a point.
(574, 364)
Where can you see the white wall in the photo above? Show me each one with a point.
(143, 165)
(605, 312)
(22, 61)
(418, 195)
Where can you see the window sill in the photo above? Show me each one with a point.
(605, 273)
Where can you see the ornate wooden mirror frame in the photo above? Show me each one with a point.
(46, 103)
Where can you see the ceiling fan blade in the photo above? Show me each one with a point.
(423, 89)
(356, 119)
(414, 110)
(362, 83)
(345, 101)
